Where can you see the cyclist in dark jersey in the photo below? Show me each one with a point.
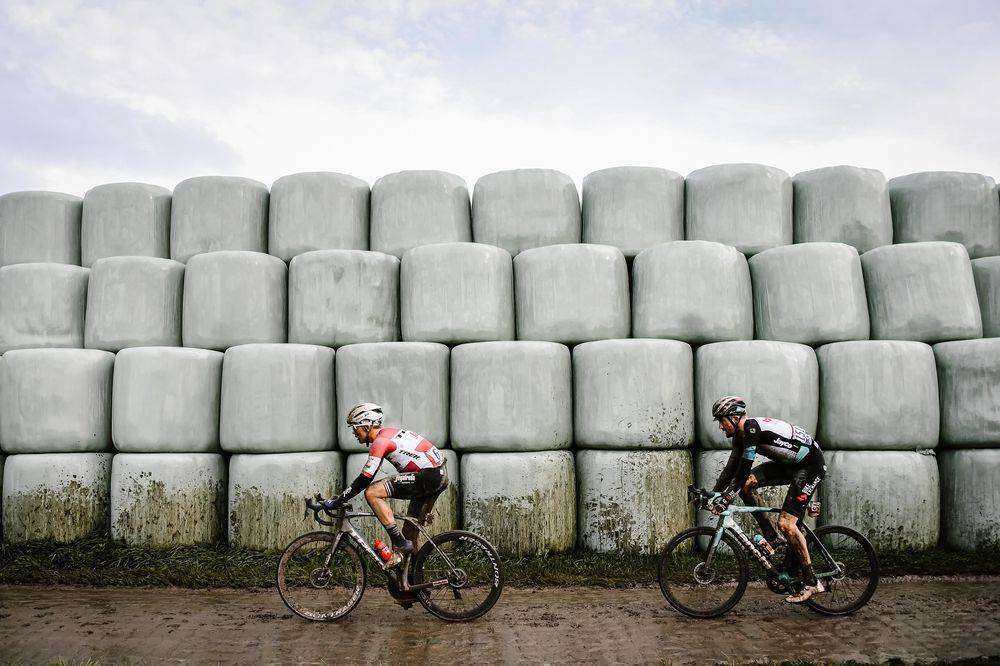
(795, 460)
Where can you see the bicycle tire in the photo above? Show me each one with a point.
(354, 563)
(452, 541)
(866, 552)
(665, 570)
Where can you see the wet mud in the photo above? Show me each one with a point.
(912, 620)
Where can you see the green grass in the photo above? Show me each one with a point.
(99, 562)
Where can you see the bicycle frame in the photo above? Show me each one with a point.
(727, 522)
(345, 529)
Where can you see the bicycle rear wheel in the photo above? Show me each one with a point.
(852, 588)
(468, 571)
(696, 589)
(317, 582)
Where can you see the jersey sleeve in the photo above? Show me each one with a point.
(376, 454)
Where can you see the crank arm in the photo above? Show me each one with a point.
(423, 586)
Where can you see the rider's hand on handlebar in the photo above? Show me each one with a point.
(332, 504)
(719, 502)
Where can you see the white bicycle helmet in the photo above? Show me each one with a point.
(365, 414)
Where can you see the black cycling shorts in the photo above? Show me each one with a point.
(417, 485)
(802, 480)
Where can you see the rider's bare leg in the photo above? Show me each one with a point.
(788, 524)
(751, 497)
(377, 496)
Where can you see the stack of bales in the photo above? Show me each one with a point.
(569, 382)
(55, 409)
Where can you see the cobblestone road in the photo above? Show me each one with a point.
(919, 620)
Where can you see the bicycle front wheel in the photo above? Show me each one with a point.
(854, 566)
(692, 586)
(466, 571)
(318, 582)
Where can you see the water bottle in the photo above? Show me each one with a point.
(383, 550)
(761, 543)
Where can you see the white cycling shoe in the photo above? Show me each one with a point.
(807, 593)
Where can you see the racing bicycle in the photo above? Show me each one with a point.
(703, 571)
(455, 575)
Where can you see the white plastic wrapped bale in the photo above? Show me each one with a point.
(969, 381)
(168, 499)
(571, 293)
(340, 297)
(317, 211)
(947, 206)
(632, 501)
(876, 395)
(456, 292)
(266, 491)
(134, 302)
(211, 213)
(748, 206)
(234, 298)
(986, 273)
(125, 220)
(525, 208)
(39, 227)
(409, 380)
(970, 498)
(921, 291)
(708, 465)
(42, 305)
(813, 293)
(56, 400)
(413, 208)
(444, 517)
(511, 396)
(842, 204)
(696, 291)
(277, 399)
(633, 208)
(523, 503)
(889, 496)
(56, 496)
(633, 394)
(777, 379)
(166, 400)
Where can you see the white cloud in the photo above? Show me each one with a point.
(261, 89)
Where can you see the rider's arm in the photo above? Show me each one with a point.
(368, 471)
(727, 472)
(742, 472)
(746, 456)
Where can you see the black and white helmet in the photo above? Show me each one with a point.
(365, 414)
(729, 405)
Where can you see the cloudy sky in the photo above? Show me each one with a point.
(94, 92)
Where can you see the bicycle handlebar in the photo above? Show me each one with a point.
(315, 504)
(699, 495)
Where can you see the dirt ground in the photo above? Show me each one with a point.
(913, 620)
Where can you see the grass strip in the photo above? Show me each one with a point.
(97, 561)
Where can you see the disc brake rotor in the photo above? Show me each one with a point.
(320, 577)
(702, 575)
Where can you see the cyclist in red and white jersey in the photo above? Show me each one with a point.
(422, 475)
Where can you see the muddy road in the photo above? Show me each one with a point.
(929, 619)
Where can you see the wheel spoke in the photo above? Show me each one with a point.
(317, 582)
(693, 586)
(471, 570)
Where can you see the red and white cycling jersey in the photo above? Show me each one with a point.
(407, 451)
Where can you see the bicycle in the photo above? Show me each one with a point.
(843, 560)
(321, 575)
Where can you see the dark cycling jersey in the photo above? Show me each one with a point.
(782, 442)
